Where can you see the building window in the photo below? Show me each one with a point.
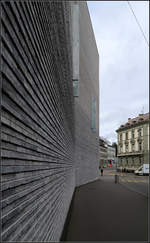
(120, 148)
(93, 114)
(75, 88)
(140, 132)
(126, 147)
(132, 133)
(140, 160)
(132, 161)
(120, 137)
(140, 146)
(126, 135)
(127, 161)
(133, 147)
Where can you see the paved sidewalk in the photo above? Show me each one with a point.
(105, 211)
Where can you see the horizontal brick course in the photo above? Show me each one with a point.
(38, 176)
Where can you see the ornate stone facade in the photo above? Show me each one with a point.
(133, 142)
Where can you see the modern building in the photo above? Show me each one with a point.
(102, 152)
(86, 95)
(111, 154)
(133, 142)
(49, 114)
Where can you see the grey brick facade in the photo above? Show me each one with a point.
(48, 146)
(87, 140)
(38, 177)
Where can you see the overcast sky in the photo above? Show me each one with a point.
(124, 61)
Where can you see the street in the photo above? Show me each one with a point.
(131, 181)
(107, 211)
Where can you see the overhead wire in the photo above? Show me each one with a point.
(138, 22)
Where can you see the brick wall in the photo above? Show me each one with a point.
(46, 132)
(37, 120)
(87, 140)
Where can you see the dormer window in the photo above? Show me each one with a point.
(141, 119)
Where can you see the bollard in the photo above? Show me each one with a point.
(116, 178)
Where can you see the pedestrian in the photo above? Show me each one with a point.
(101, 171)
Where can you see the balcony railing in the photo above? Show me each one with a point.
(130, 153)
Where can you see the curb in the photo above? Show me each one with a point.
(130, 189)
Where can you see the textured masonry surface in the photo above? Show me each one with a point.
(86, 140)
(48, 146)
(37, 120)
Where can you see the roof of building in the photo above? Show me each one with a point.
(134, 121)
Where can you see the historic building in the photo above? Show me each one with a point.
(133, 142)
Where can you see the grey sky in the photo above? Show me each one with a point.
(124, 61)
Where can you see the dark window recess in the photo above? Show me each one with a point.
(140, 132)
(140, 146)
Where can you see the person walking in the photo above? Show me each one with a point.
(101, 171)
